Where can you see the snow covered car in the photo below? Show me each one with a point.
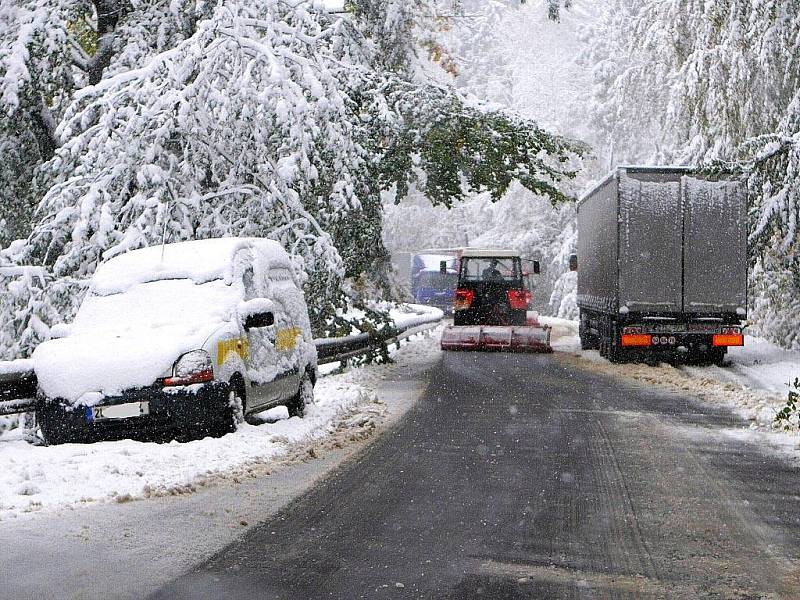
(173, 339)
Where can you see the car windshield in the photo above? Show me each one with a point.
(491, 269)
(438, 281)
(174, 303)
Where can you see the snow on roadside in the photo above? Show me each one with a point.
(44, 479)
(411, 315)
(754, 382)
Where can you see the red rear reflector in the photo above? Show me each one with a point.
(734, 339)
(518, 299)
(638, 340)
(464, 299)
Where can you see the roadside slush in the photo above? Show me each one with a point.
(753, 383)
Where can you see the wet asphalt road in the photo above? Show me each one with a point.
(518, 476)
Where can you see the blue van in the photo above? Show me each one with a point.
(430, 284)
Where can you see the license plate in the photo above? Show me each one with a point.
(117, 411)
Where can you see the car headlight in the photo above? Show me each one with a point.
(192, 367)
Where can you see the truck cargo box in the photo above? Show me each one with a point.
(661, 241)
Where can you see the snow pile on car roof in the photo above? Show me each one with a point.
(199, 260)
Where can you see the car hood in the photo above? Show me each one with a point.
(84, 367)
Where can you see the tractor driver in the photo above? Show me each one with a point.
(491, 273)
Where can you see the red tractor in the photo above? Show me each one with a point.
(491, 305)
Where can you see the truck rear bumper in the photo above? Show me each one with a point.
(672, 341)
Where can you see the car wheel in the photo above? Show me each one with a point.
(304, 397)
(233, 413)
(54, 427)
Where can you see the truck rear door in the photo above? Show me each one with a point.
(650, 240)
(715, 248)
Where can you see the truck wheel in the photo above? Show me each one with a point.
(616, 354)
(304, 397)
(588, 341)
(717, 356)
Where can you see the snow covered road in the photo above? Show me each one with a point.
(521, 476)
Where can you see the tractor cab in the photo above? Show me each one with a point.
(491, 289)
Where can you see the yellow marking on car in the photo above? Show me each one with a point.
(287, 339)
(238, 346)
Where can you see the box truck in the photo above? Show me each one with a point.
(662, 257)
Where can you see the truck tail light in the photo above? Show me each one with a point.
(637, 340)
(464, 299)
(192, 367)
(728, 339)
(518, 299)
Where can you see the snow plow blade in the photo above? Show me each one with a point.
(523, 338)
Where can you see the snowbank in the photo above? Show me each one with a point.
(411, 315)
(754, 383)
(53, 478)
(15, 367)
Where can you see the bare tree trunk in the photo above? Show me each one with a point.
(108, 15)
(44, 129)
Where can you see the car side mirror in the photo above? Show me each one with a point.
(443, 267)
(537, 268)
(259, 320)
(573, 262)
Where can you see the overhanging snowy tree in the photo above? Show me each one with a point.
(49, 49)
(268, 120)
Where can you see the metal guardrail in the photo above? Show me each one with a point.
(18, 381)
(339, 349)
(17, 387)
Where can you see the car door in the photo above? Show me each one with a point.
(287, 300)
(261, 331)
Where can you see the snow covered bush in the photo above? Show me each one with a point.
(787, 418)
(564, 299)
(773, 311)
(28, 300)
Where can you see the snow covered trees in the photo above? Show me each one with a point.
(248, 118)
(694, 81)
(48, 50)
